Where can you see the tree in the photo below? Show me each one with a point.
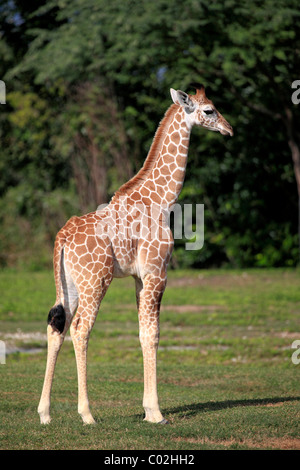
(119, 59)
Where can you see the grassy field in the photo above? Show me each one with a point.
(226, 379)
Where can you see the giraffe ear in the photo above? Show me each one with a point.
(182, 98)
(174, 95)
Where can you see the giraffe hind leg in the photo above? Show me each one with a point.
(59, 319)
(81, 327)
(54, 341)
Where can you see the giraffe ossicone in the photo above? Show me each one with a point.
(89, 252)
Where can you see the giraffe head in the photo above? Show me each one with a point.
(201, 111)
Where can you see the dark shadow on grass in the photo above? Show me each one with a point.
(196, 408)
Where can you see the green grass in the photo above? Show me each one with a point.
(226, 379)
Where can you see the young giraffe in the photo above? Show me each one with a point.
(117, 241)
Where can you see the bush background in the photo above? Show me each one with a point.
(87, 83)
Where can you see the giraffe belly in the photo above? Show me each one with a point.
(125, 259)
(126, 271)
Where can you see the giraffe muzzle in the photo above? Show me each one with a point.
(226, 129)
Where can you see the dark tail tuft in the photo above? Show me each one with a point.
(57, 318)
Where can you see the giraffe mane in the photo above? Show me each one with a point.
(153, 153)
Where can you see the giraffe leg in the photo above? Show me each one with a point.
(55, 341)
(89, 302)
(80, 336)
(149, 306)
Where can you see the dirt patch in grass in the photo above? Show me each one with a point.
(285, 334)
(269, 443)
(212, 280)
(234, 279)
(191, 308)
(188, 308)
(25, 342)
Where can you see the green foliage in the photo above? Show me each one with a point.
(90, 83)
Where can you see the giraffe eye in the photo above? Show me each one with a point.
(208, 111)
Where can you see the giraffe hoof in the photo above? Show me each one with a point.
(88, 420)
(164, 421)
(45, 419)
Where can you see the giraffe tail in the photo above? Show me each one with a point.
(57, 318)
(57, 314)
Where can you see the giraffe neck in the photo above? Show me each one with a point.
(164, 183)
(161, 178)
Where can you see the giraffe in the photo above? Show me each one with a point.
(116, 241)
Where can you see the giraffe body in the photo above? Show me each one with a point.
(129, 237)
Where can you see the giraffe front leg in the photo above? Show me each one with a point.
(149, 308)
(150, 399)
